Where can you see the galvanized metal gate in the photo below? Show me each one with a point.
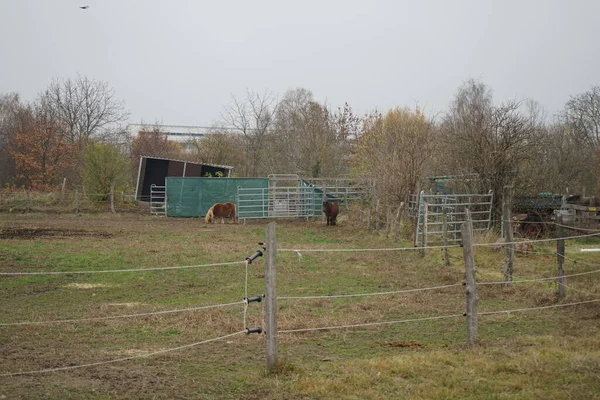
(289, 196)
(158, 200)
(439, 215)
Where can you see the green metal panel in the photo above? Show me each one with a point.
(192, 197)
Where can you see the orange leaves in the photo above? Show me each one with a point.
(40, 150)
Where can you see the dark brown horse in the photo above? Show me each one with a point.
(331, 210)
(220, 210)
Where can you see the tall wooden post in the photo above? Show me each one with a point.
(425, 209)
(397, 226)
(271, 297)
(377, 215)
(112, 197)
(471, 289)
(28, 200)
(560, 256)
(388, 221)
(62, 190)
(76, 201)
(509, 257)
(445, 235)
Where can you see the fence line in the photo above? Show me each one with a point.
(187, 346)
(60, 321)
(537, 308)
(299, 251)
(539, 279)
(368, 294)
(120, 270)
(370, 324)
(434, 318)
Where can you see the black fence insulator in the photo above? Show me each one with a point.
(258, 329)
(255, 298)
(254, 256)
(257, 254)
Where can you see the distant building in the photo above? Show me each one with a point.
(176, 133)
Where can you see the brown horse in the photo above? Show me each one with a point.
(220, 210)
(331, 210)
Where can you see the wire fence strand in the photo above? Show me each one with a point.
(62, 321)
(187, 346)
(368, 294)
(120, 270)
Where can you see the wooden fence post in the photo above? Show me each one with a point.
(560, 256)
(509, 258)
(271, 297)
(28, 200)
(62, 190)
(397, 227)
(112, 197)
(424, 242)
(76, 201)
(471, 289)
(388, 221)
(377, 215)
(445, 235)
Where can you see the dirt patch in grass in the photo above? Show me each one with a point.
(34, 233)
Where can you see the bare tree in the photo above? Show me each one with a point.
(308, 138)
(582, 114)
(252, 117)
(492, 142)
(87, 108)
(220, 146)
(395, 149)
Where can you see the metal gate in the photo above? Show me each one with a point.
(158, 200)
(289, 196)
(437, 216)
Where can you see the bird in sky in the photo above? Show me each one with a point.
(84, 7)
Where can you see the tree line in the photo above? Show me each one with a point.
(75, 130)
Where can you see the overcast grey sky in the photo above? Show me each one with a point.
(180, 61)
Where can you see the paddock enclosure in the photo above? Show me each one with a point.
(276, 196)
(139, 306)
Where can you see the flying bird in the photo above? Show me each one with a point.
(84, 7)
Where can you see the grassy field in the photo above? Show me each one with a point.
(549, 353)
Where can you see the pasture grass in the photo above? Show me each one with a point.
(545, 353)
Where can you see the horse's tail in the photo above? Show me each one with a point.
(233, 212)
(209, 216)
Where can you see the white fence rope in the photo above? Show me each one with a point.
(299, 251)
(574, 228)
(120, 270)
(368, 294)
(370, 324)
(121, 359)
(433, 318)
(537, 308)
(574, 261)
(61, 321)
(538, 279)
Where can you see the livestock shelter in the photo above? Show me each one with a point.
(277, 196)
(192, 197)
(154, 170)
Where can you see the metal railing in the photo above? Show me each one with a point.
(439, 215)
(158, 200)
(278, 202)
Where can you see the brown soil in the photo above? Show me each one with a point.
(34, 233)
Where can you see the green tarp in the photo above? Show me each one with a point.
(192, 197)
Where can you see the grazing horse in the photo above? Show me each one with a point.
(331, 210)
(220, 210)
